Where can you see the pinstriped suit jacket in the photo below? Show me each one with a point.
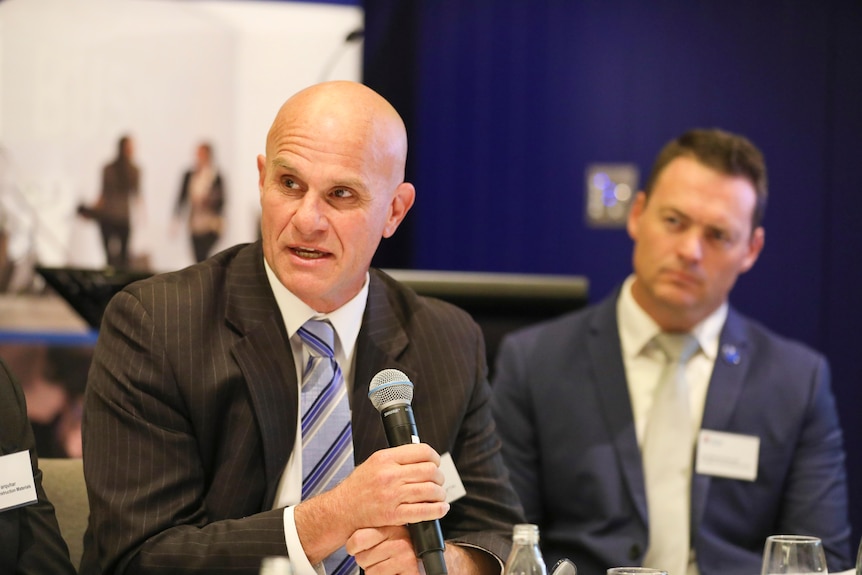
(191, 409)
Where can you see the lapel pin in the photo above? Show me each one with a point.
(730, 354)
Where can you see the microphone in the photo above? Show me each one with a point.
(352, 37)
(355, 35)
(391, 392)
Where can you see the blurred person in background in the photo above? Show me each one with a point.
(53, 378)
(202, 195)
(118, 203)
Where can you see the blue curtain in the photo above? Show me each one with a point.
(507, 101)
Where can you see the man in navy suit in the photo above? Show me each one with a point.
(573, 396)
(192, 443)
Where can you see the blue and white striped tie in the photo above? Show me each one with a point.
(327, 441)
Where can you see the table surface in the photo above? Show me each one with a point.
(48, 312)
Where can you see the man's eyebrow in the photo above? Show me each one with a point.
(282, 163)
(675, 211)
(352, 183)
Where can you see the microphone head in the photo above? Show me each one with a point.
(390, 387)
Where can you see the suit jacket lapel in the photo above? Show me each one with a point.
(263, 354)
(610, 381)
(725, 386)
(381, 341)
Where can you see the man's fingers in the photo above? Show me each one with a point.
(384, 551)
(413, 453)
(364, 539)
(416, 512)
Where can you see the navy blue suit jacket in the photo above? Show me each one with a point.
(563, 411)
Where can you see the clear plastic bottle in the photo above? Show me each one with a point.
(276, 566)
(526, 557)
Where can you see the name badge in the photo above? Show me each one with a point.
(17, 487)
(730, 455)
(451, 479)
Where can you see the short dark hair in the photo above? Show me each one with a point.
(727, 153)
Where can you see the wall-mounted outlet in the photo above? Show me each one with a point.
(610, 191)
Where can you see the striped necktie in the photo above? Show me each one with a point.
(327, 441)
(667, 457)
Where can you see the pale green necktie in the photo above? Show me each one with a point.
(667, 457)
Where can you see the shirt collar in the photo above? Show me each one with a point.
(637, 328)
(346, 320)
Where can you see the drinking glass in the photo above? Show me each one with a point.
(793, 554)
(635, 571)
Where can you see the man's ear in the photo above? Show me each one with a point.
(755, 246)
(635, 214)
(261, 172)
(402, 201)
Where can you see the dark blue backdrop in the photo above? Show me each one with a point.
(507, 101)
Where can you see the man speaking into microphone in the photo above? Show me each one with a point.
(227, 415)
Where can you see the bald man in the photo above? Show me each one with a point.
(192, 446)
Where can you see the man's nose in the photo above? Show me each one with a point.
(310, 214)
(690, 245)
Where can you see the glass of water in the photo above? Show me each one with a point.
(793, 554)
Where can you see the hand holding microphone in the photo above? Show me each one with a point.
(391, 392)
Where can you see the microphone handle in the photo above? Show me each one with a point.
(427, 537)
(399, 425)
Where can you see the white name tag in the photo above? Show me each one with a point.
(730, 455)
(452, 480)
(17, 487)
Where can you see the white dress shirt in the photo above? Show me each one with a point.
(346, 321)
(643, 362)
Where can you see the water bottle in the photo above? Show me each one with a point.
(859, 559)
(525, 558)
(276, 566)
